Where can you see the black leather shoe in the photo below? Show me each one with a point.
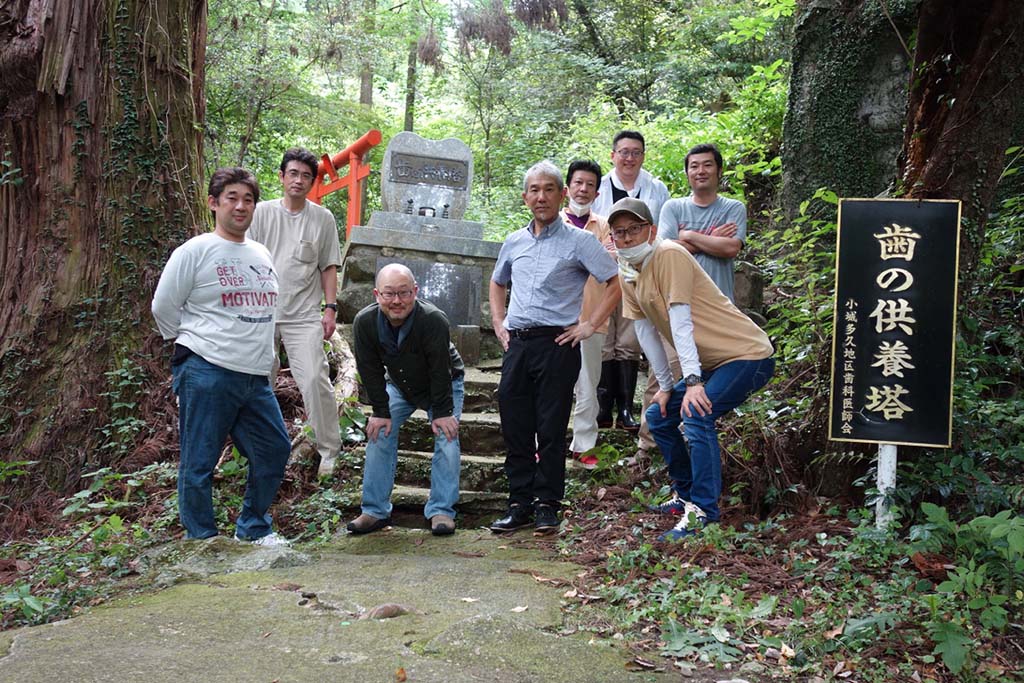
(364, 524)
(547, 520)
(517, 518)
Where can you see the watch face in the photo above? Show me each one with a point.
(692, 380)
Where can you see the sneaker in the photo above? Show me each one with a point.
(692, 520)
(271, 540)
(442, 525)
(517, 518)
(365, 524)
(673, 506)
(587, 461)
(547, 520)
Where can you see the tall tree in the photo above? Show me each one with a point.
(963, 105)
(100, 106)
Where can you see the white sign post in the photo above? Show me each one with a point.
(886, 484)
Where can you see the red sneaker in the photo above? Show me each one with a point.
(587, 460)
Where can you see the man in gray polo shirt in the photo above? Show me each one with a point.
(547, 265)
(710, 227)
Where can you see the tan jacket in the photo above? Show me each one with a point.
(593, 291)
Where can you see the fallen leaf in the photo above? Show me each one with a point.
(833, 632)
(286, 586)
(470, 599)
(400, 676)
(641, 664)
(22, 565)
(787, 651)
(571, 593)
(521, 608)
(418, 541)
(601, 493)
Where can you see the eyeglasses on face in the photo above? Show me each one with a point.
(630, 153)
(630, 230)
(404, 295)
(293, 174)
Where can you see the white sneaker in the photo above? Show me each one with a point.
(692, 520)
(271, 540)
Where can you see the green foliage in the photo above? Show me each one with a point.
(352, 422)
(11, 174)
(983, 589)
(125, 385)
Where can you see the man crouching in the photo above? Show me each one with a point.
(406, 360)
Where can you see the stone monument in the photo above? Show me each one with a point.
(425, 186)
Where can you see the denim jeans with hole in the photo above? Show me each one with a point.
(382, 459)
(697, 476)
(214, 402)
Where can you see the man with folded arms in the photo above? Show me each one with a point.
(724, 358)
(406, 360)
(547, 265)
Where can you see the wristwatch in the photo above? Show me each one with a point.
(693, 380)
(333, 307)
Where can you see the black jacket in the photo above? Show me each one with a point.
(422, 369)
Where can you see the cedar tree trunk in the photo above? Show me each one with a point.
(965, 96)
(100, 107)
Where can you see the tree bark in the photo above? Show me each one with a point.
(100, 106)
(410, 88)
(366, 66)
(964, 101)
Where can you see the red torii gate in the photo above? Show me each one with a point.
(327, 180)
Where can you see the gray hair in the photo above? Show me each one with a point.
(397, 268)
(545, 168)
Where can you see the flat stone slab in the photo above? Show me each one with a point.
(473, 611)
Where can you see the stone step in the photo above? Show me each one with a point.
(479, 433)
(474, 507)
(478, 472)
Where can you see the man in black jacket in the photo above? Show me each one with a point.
(406, 361)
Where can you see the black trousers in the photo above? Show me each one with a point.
(534, 400)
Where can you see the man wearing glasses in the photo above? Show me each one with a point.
(724, 358)
(620, 356)
(303, 240)
(406, 361)
(547, 265)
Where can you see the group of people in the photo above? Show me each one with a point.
(575, 297)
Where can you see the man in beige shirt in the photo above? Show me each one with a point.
(581, 181)
(723, 355)
(303, 239)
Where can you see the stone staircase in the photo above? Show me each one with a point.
(483, 487)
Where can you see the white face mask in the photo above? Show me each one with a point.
(579, 209)
(635, 256)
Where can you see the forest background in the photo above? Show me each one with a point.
(100, 176)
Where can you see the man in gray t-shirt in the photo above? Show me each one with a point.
(711, 227)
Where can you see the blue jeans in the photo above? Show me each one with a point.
(382, 458)
(697, 475)
(212, 403)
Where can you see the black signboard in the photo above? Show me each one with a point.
(894, 321)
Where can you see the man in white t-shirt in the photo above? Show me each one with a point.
(216, 299)
(620, 356)
(303, 240)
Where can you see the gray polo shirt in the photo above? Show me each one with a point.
(683, 214)
(548, 273)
